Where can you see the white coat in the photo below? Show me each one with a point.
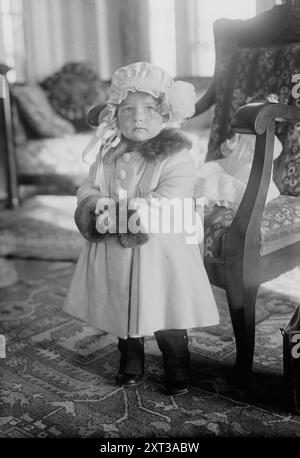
(159, 285)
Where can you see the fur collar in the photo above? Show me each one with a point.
(169, 141)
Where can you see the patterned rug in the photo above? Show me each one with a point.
(57, 380)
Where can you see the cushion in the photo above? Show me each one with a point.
(73, 90)
(280, 225)
(55, 156)
(37, 113)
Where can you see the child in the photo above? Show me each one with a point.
(135, 281)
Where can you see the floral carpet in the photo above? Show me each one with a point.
(57, 379)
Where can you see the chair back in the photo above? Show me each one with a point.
(254, 58)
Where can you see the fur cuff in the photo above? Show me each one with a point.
(133, 240)
(85, 220)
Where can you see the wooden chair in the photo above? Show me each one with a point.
(250, 60)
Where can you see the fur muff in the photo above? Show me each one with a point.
(133, 240)
(129, 239)
(85, 219)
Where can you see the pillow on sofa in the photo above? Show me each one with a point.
(37, 113)
(73, 90)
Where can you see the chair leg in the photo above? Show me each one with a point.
(241, 302)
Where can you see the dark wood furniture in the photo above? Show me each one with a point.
(241, 269)
(8, 177)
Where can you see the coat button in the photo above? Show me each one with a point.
(126, 157)
(122, 174)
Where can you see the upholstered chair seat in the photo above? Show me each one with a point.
(280, 226)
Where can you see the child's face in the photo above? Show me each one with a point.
(138, 117)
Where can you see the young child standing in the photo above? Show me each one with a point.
(131, 280)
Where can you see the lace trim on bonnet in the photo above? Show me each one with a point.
(177, 98)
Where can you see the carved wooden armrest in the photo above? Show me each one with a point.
(258, 119)
(255, 118)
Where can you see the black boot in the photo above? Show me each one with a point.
(173, 344)
(131, 361)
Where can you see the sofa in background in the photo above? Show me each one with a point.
(46, 130)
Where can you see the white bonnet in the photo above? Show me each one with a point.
(178, 97)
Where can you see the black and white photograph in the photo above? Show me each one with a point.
(149, 224)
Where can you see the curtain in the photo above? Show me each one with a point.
(122, 33)
(12, 43)
(134, 23)
(59, 31)
(194, 30)
(112, 33)
(109, 33)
